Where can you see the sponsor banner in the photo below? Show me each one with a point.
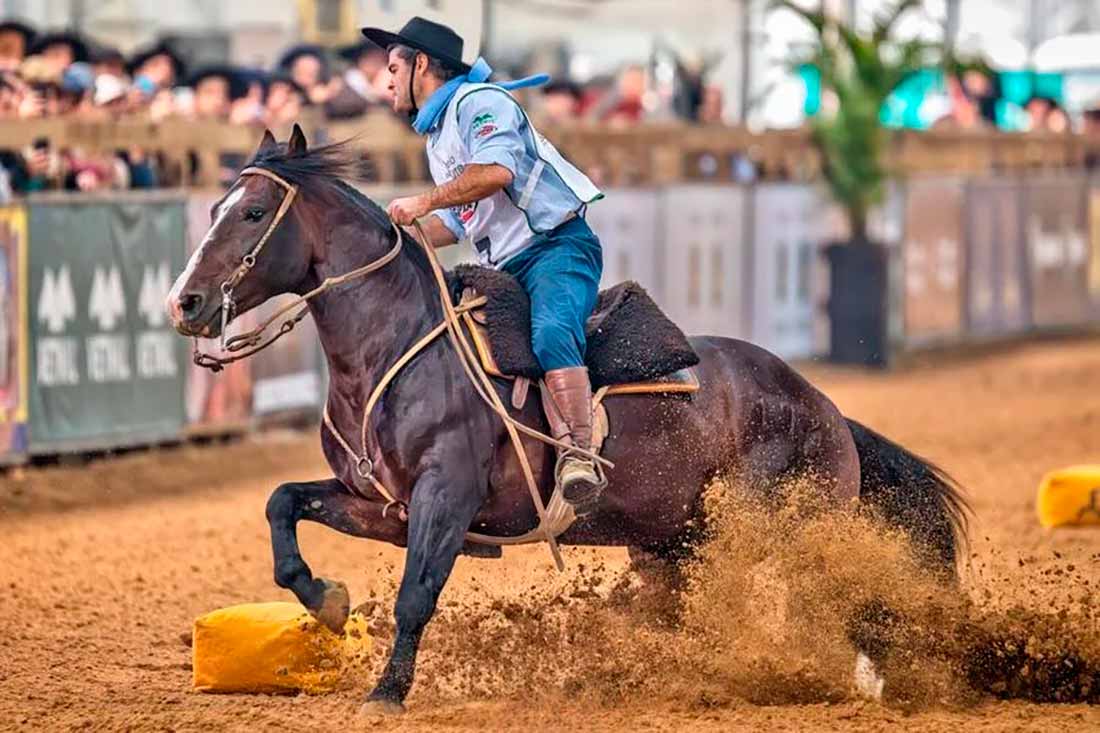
(932, 261)
(13, 334)
(997, 293)
(221, 401)
(1056, 230)
(785, 267)
(703, 261)
(106, 368)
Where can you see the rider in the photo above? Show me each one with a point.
(502, 185)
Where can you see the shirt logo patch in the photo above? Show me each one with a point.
(484, 125)
(465, 212)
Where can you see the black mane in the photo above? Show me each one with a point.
(334, 164)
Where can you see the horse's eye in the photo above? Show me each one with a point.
(254, 214)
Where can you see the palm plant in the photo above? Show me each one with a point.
(861, 70)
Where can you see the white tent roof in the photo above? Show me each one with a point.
(1076, 51)
(1001, 51)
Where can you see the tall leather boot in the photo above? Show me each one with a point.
(569, 411)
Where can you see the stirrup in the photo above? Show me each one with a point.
(593, 491)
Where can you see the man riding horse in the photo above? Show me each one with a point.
(503, 186)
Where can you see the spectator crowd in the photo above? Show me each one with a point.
(61, 74)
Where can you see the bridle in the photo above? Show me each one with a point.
(554, 517)
(254, 338)
(249, 260)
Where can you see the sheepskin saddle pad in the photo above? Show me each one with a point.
(629, 339)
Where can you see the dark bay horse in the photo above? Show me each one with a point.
(448, 455)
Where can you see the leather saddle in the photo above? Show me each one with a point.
(633, 348)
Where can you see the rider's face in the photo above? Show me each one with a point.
(400, 69)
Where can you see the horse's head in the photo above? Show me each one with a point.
(253, 250)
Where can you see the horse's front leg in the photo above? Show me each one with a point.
(329, 503)
(440, 511)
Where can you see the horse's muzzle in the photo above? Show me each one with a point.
(186, 312)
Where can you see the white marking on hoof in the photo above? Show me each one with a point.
(869, 682)
(387, 708)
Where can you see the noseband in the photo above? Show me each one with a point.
(249, 260)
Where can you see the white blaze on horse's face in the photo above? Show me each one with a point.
(172, 305)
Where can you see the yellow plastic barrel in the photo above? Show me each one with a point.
(1070, 497)
(272, 648)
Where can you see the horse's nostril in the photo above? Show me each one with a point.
(190, 304)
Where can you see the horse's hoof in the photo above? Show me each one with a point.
(335, 606)
(381, 707)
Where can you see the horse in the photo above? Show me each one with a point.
(292, 223)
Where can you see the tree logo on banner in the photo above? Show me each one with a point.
(107, 303)
(56, 302)
(155, 284)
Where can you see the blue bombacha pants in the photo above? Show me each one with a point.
(561, 272)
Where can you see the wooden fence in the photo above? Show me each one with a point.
(644, 154)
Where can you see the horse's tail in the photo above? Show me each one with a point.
(913, 495)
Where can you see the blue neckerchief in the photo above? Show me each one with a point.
(429, 114)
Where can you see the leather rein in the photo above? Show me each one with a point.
(554, 518)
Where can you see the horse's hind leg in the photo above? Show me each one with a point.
(329, 503)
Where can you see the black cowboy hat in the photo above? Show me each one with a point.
(22, 29)
(160, 48)
(356, 51)
(563, 86)
(434, 39)
(100, 54)
(238, 81)
(61, 38)
(294, 53)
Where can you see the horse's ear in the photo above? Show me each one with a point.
(297, 143)
(267, 143)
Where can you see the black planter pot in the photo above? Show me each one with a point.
(858, 303)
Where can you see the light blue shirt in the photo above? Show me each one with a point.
(495, 130)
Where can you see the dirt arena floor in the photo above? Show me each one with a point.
(105, 565)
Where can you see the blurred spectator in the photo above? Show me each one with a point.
(1091, 129)
(963, 111)
(1046, 115)
(110, 93)
(60, 49)
(363, 85)
(163, 105)
(156, 67)
(215, 89)
(625, 105)
(284, 101)
(40, 86)
(710, 107)
(15, 40)
(108, 60)
(77, 82)
(982, 91)
(561, 102)
(249, 109)
(308, 66)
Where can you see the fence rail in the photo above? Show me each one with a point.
(643, 154)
